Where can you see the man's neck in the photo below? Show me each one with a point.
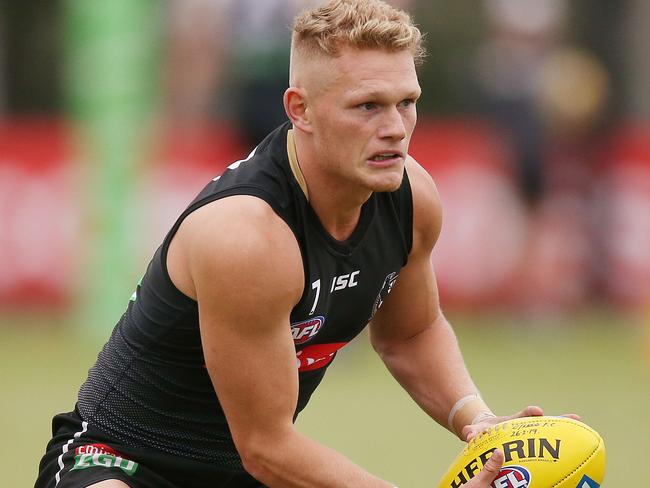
(337, 204)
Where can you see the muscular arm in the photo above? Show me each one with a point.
(411, 334)
(243, 265)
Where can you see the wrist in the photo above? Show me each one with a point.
(467, 410)
(482, 416)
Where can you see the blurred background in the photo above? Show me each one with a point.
(534, 122)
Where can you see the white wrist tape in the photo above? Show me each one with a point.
(482, 416)
(458, 405)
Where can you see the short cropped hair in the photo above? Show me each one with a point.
(359, 24)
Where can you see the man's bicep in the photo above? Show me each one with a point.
(413, 304)
(411, 307)
(244, 312)
(252, 364)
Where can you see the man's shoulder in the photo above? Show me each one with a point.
(427, 208)
(238, 238)
(422, 183)
(239, 220)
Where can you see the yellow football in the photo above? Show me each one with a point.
(540, 452)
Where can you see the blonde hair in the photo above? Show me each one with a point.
(358, 24)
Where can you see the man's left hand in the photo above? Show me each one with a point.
(483, 423)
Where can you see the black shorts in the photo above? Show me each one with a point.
(79, 455)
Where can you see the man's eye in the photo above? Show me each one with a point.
(408, 102)
(368, 106)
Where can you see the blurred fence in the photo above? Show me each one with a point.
(584, 243)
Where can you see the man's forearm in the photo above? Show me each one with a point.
(430, 367)
(296, 461)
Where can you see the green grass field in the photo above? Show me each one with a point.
(593, 364)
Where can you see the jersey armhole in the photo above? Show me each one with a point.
(249, 190)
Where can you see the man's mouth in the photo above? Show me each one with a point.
(385, 156)
(385, 159)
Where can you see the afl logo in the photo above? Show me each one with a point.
(305, 330)
(512, 477)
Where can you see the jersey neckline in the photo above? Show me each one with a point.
(344, 247)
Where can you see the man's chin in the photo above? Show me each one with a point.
(387, 184)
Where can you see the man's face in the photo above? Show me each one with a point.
(364, 116)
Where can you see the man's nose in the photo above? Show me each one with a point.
(393, 126)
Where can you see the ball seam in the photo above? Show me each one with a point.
(593, 453)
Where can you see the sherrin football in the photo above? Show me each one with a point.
(540, 452)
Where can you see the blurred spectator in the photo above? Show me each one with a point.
(572, 97)
(561, 78)
(550, 97)
(230, 58)
(258, 62)
(523, 33)
(572, 94)
(195, 45)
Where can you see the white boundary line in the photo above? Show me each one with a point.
(84, 428)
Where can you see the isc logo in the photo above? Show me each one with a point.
(345, 281)
(512, 477)
(305, 330)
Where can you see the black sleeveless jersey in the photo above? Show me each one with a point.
(150, 388)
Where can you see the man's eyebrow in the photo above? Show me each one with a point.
(376, 94)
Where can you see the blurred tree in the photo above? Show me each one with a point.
(453, 30)
(31, 40)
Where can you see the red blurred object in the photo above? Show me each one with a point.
(478, 259)
(212, 147)
(440, 145)
(484, 226)
(625, 232)
(38, 221)
(42, 237)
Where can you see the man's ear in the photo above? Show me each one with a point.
(295, 104)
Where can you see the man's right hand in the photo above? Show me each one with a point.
(488, 473)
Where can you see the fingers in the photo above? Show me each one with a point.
(470, 431)
(493, 466)
(467, 433)
(489, 472)
(572, 416)
(530, 411)
(535, 411)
